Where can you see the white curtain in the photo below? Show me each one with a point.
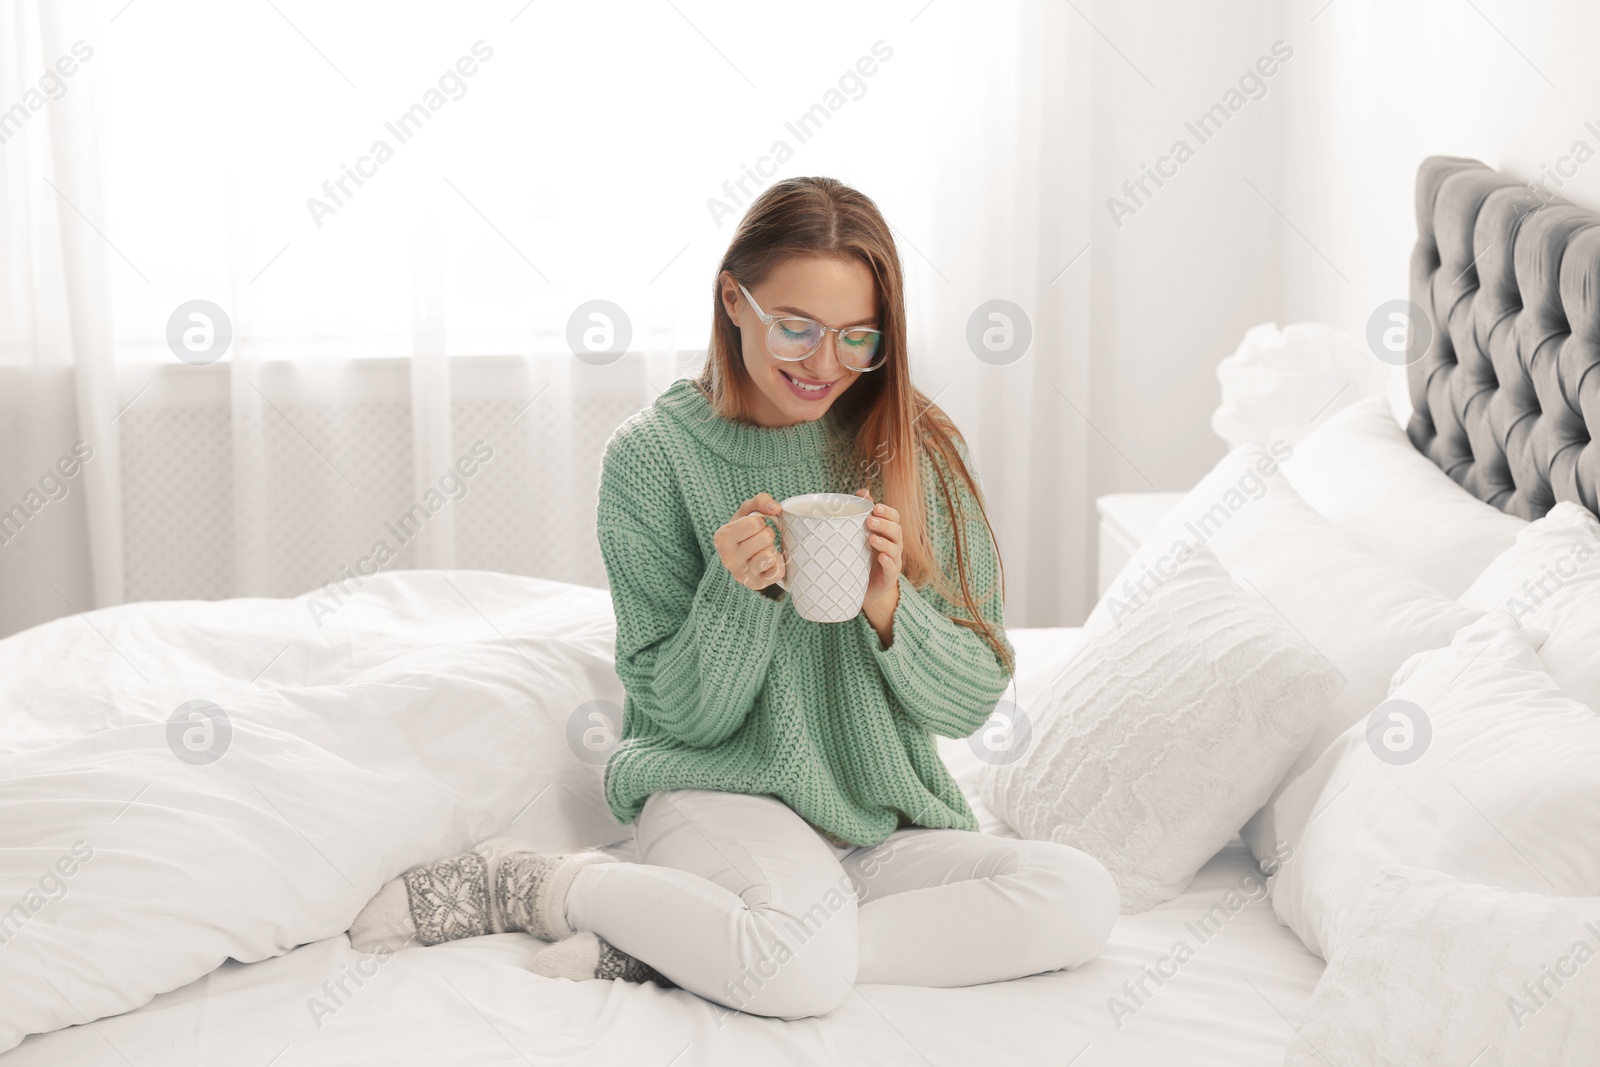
(381, 352)
(60, 485)
(1009, 222)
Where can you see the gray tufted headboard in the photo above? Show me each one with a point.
(1506, 396)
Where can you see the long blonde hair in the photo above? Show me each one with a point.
(897, 422)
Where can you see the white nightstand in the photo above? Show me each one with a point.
(1126, 520)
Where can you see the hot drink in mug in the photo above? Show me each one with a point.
(827, 561)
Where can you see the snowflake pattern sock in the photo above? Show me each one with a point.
(427, 905)
(530, 890)
(502, 885)
(587, 955)
(384, 925)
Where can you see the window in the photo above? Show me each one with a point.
(379, 179)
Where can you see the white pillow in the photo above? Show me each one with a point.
(1361, 471)
(1278, 382)
(1438, 971)
(1042, 653)
(1550, 580)
(1363, 614)
(1164, 733)
(1501, 787)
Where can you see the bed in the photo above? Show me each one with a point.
(475, 1001)
(199, 796)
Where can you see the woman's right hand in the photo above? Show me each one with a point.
(747, 544)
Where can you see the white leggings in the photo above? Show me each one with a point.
(738, 899)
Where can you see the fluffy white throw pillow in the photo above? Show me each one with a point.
(1360, 470)
(1477, 765)
(1363, 613)
(1165, 732)
(1550, 580)
(1437, 971)
(1278, 382)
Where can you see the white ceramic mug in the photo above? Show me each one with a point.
(826, 559)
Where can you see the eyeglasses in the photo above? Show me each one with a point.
(792, 338)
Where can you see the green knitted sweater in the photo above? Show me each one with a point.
(730, 689)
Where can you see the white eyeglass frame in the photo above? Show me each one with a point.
(773, 320)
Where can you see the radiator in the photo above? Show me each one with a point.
(279, 485)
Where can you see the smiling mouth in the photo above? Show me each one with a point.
(804, 388)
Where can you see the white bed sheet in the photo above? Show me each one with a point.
(476, 1002)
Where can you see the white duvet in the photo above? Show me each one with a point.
(432, 710)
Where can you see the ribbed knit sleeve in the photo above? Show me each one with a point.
(946, 676)
(693, 645)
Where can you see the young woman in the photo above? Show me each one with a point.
(797, 832)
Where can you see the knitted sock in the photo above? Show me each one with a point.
(587, 955)
(429, 904)
(385, 923)
(500, 886)
(530, 888)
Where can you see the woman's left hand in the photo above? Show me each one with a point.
(887, 542)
